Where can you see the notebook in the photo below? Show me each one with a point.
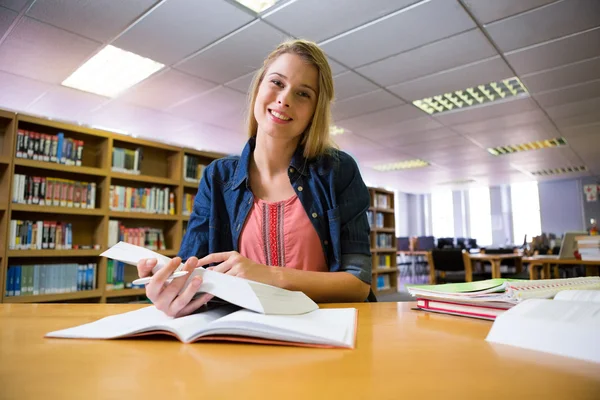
(491, 298)
(326, 328)
(568, 325)
(244, 293)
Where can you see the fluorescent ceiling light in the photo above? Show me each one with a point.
(258, 6)
(407, 164)
(336, 130)
(458, 182)
(517, 148)
(490, 92)
(559, 171)
(111, 71)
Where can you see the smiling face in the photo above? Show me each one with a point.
(286, 98)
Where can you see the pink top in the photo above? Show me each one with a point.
(281, 234)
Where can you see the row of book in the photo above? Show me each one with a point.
(385, 261)
(150, 238)
(49, 148)
(56, 192)
(126, 160)
(188, 203)
(153, 200)
(38, 235)
(589, 247)
(115, 276)
(383, 282)
(39, 279)
(375, 219)
(192, 168)
(384, 240)
(381, 200)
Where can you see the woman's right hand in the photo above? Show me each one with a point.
(165, 295)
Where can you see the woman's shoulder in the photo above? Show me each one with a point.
(223, 169)
(336, 160)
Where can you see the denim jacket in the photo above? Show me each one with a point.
(329, 187)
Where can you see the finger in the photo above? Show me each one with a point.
(158, 281)
(144, 267)
(225, 266)
(168, 292)
(195, 304)
(184, 298)
(215, 258)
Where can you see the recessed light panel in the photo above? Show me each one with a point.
(258, 6)
(537, 145)
(559, 171)
(400, 165)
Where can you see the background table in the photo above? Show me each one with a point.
(591, 267)
(495, 260)
(400, 353)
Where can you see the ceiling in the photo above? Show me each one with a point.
(384, 54)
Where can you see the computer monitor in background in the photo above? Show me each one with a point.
(569, 245)
(461, 243)
(472, 243)
(445, 243)
(425, 243)
(403, 243)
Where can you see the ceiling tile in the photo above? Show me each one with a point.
(363, 104)
(178, 28)
(566, 75)
(100, 20)
(350, 84)
(43, 52)
(439, 146)
(515, 135)
(336, 67)
(66, 104)
(7, 17)
(405, 139)
(486, 111)
(243, 83)
(18, 92)
(490, 70)
(577, 120)
(556, 52)
(165, 89)
(572, 109)
(584, 130)
(423, 126)
(236, 55)
(501, 123)
(545, 23)
(330, 18)
(381, 118)
(222, 106)
(432, 20)
(486, 11)
(15, 5)
(435, 57)
(570, 94)
(355, 144)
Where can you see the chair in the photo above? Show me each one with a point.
(445, 243)
(506, 263)
(403, 243)
(425, 243)
(449, 262)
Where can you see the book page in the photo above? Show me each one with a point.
(567, 328)
(322, 326)
(592, 296)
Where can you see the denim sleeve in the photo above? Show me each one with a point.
(355, 234)
(195, 240)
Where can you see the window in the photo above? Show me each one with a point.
(525, 203)
(442, 214)
(480, 215)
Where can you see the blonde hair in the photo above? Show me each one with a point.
(315, 138)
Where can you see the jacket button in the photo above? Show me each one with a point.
(300, 188)
(314, 215)
(238, 227)
(326, 242)
(292, 170)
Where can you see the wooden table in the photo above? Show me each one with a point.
(400, 353)
(494, 259)
(591, 267)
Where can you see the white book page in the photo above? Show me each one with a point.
(322, 326)
(592, 296)
(131, 254)
(567, 328)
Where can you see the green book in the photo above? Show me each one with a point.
(487, 286)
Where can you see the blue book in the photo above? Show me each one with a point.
(59, 147)
(17, 280)
(10, 282)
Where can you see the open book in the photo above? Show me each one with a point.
(244, 293)
(334, 327)
(568, 325)
(490, 298)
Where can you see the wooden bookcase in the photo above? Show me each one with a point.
(383, 241)
(160, 165)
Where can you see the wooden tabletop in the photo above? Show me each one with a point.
(401, 353)
(568, 261)
(491, 257)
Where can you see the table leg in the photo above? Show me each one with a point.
(519, 265)
(496, 268)
(591, 270)
(546, 271)
(532, 271)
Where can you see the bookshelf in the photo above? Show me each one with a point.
(383, 241)
(151, 182)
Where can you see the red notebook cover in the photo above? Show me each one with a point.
(462, 309)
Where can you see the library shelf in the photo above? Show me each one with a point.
(4, 159)
(54, 253)
(383, 241)
(82, 294)
(57, 210)
(144, 178)
(59, 167)
(384, 270)
(142, 215)
(124, 292)
(191, 185)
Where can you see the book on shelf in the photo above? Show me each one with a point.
(254, 296)
(490, 298)
(150, 238)
(40, 279)
(192, 168)
(567, 326)
(40, 235)
(325, 328)
(49, 148)
(126, 160)
(56, 192)
(152, 200)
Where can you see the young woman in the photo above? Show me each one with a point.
(291, 210)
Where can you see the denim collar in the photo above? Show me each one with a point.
(299, 162)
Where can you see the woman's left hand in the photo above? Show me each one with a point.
(233, 263)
